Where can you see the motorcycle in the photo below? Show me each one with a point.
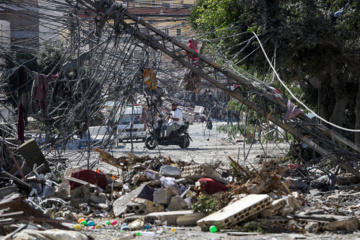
(179, 137)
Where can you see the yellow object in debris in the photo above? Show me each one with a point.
(77, 227)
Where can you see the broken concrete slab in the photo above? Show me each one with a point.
(195, 172)
(170, 217)
(237, 211)
(119, 206)
(189, 220)
(177, 203)
(349, 224)
(335, 222)
(140, 206)
(31, 152)
(274, 208)
(170, 171)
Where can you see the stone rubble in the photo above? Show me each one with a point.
(153, 196)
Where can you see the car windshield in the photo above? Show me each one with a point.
(127, 118)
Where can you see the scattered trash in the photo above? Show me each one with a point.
(156, 193)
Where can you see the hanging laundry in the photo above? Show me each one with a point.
(24, 92)
(40, 89)
(20, 124)
(150, 78)
(291, 111)
(193, 45)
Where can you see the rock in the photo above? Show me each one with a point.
(137, 224)
(162, 196)
(177, 203)
(80, 195)
(170, 171)
(312, 227)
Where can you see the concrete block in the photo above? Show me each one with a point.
(177, 203)
(349, 223)
(274, 208)
(170, 171)
(195, 172)
(237, 211)
(189, 220)
(274, 224)
(31, 152)
(119, 206)
(162, 196)
(292, 202)
(171, 216)
(331, 222)
(140, 206)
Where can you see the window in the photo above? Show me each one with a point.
(178, 32)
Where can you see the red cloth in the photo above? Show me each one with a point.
(212, 186)
(43, 88)
(193, 45)
(89, 176)
(20, 124)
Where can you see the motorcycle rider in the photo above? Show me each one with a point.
(175, 121)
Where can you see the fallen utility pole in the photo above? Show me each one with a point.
(325, 141)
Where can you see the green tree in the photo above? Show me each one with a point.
(316, 46)
(50, 58)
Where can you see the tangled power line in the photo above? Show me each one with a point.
(93, 71)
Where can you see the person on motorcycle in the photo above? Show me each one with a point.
(175, 121)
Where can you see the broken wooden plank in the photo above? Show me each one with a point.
(83, 182)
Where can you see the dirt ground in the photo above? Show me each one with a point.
(208, 146)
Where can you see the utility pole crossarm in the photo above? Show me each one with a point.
(323, 140)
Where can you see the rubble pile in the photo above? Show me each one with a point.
(154, 196)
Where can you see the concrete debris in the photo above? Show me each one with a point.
(158, 192)
(237, 211)
(170, 171)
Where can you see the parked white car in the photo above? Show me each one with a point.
(131, 125)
